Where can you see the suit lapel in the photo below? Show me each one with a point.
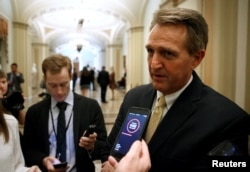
(173, 120)
(148, 97)
(45, 112)
(178, 114)
(77, 109)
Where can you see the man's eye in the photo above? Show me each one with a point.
(63, 85)
(150, 51)
(53, 86)
(167, 54)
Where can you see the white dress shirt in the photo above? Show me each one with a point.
(170, 98)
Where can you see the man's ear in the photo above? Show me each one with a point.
(197, 58)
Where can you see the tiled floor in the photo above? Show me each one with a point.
(110, 109)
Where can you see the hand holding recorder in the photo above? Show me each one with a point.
(133, 128)
(136, 159)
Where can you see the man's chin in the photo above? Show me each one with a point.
(158, 86)
(59, 99)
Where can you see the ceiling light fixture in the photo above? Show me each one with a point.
(79, 47)
(80, 24)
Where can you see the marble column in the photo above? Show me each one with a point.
(114, 58)
(135, 58)
(39, 52)
(22, 55)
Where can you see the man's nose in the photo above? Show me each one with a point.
(155, 62)
(59, 89)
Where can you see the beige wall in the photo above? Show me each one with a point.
(225, 65)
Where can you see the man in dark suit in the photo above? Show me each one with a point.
(74, 78)
(40, 130)
(15, 79)
(103, 80)
(196, 118)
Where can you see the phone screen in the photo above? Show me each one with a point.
(132, 129)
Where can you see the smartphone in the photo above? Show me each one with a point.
(60, 165)
(132, 129)
(90, 130)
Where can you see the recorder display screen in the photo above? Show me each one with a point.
(132, 130)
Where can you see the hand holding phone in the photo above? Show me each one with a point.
(60, 165)
(132, 129)
(90, 130)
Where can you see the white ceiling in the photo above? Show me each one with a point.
(56, 21)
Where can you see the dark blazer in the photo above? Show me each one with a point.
(36, 138)
(103, 78)
(15, 82)
(199, 119)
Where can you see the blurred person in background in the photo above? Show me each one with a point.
(74, 78)
(15, 79)
(112, 82)
(85, 79)
(103, 81)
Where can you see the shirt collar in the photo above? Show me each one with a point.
(170, 98)
(69, 100)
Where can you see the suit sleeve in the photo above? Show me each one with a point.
(34, 133)
(101, 132)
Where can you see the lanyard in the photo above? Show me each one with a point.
(53, 124)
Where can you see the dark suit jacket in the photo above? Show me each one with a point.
(103, 78)
(15, 83)
(198, 120)
(36, 138)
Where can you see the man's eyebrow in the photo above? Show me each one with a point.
(58, 83)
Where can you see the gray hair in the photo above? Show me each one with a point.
(196, 25)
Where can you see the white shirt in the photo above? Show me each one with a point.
(170, 98)
(11, 156)
(53, 116)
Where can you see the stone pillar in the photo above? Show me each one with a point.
(242, 56)
(115, 60)
(135, 60)
(39, 52)
(22, 55)
(102, 60)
